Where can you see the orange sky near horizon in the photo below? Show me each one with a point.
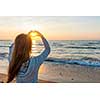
(54, 28)
(55, 37)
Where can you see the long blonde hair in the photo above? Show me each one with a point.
(21, 53)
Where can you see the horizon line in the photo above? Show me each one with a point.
(59, 39)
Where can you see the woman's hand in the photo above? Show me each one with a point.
(35, 33)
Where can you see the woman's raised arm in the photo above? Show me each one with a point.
(45, 53)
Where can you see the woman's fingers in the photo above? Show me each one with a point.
(37, 33)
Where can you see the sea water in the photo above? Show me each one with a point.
(77, 52)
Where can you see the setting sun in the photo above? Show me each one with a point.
(33, 35)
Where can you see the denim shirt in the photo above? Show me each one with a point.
(29, 74)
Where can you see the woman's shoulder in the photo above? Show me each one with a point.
(34, 57)
(35, 60)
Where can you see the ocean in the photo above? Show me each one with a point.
(84, 52)
(73, 52)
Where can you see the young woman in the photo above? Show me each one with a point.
(22, 65)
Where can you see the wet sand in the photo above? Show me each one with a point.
(70, 73)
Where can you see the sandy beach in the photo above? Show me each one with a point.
(66, 74)
(58, 73)
(50, 73)
(70, 73)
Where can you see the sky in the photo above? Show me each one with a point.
(54, 28)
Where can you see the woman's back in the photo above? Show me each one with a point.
(28, 72)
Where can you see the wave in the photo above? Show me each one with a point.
(93, 62)
(92, 43)
(88, 43)
(85, 61)
(3, 56)
(76, 47)
(3, 46)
